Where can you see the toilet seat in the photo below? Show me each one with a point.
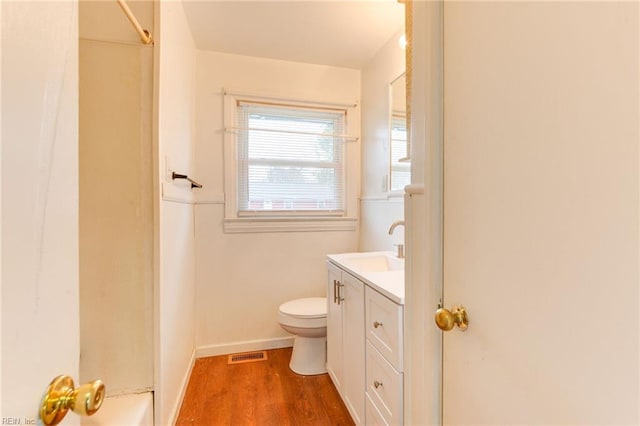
(310, 307)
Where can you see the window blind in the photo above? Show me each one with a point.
(290, 160)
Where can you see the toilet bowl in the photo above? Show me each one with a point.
(307, 320)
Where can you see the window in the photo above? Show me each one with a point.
(289, 163)
(290, 160)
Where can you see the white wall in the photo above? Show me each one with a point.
(175, 286)
(40, 335)
(378, 209)
(116, 216)
(243, 278)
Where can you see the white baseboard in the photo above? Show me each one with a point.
(246, 346)
(183, 389)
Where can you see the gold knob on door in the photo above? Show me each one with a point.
(447, 319)
(62, 395)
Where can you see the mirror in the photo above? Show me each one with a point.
(399, 162)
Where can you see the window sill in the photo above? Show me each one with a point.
(250, 225)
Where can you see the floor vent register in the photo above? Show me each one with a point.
(247, 357)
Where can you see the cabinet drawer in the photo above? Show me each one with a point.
(374, 418)
(384, 325)
(384, 386)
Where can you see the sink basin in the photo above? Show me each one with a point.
(381, 270)
(376, 263)
(380, 261)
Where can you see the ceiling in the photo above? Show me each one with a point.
(330, 32)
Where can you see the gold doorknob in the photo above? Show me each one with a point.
(62, 395)
(447, 319)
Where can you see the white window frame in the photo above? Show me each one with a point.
(235, 222)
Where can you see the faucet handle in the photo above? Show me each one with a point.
(400, 252)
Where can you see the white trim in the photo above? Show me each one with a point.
(232, 226)
(205, 196)
(177, 194)
(382, 197)
(183, 389)
(395, 196)
(230, 160)
(245, 346)
(251, 95)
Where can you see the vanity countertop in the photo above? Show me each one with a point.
(381, 270)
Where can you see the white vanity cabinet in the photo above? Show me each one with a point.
(365, 317)
(346, 339)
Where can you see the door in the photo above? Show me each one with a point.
(335, 341)
(39, 199)
(541, 212)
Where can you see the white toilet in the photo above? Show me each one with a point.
(307, 319)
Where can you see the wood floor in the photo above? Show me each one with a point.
(259, 393)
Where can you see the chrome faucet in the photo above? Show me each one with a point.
(392, 228)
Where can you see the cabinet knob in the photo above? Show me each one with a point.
(377, 384)
(377, 324)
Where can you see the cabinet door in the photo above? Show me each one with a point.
(374, 418)
(334, 328)
(354, 346)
